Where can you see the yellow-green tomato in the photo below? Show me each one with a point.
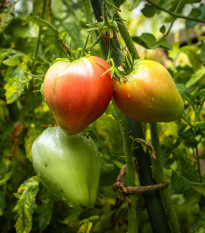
(68, 166)
(149, 94)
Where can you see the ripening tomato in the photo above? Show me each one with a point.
(149, 94)
(78, 92)
(68, 166)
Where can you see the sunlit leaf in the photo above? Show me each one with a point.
(202, 54)
(196, 77)
(14, 85)
(25, 205)
(85, 227)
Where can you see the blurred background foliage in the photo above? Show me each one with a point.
(25, 206)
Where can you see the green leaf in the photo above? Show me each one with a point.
(202, 54)
(148, 11)
(164, 43)
(162, 29)
(30, 137)
(74, 33)
(2, 202)
(196, 77)
(73, 216)
(12, 61)
(85, 227)
(179, 184)
(199, 226)
(25, 205)
(199, 13)
(43, 23)
(45, 210)
(148, 41)
(193, 55)
(15, 84)
(199, 187)
(6, 15)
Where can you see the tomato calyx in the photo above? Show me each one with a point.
(120, 73)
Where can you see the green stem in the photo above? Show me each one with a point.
(158, 175)
(176, 15)
(39, 36)
(126, 37)
(89, 18)
(198, 163)
(130, 172)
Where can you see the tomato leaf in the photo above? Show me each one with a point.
(199, 226)
(148, 11)
(73, 216)
(179, 184)
(2, 202)
(15, 85)
(32, 134)
(148, 41)
(202, 54)
(26, 203)
(196, 77)
(45, 210)
(85, 227)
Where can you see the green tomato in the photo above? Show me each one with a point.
(68, 166)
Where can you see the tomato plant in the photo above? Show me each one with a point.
(149, 93)
(78, 92)
(68, 165)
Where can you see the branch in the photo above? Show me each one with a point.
(176, 15)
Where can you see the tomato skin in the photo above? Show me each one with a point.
(149, 94)
(68, 166)
(77, 93)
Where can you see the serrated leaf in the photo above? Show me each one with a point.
(6, 15)
(12, 61)
(199, 187)
(199, 226)
(30, 137)
(42, 22)
(148, 11)
(85, 227)
(74, 32)
(202, 54)
(179, 184)
(2, 202)
(192, 53)
(26, 203)
(73, 216)
(14, 86)
(45, 210)
(196, 77)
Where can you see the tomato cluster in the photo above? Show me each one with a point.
(79, 92)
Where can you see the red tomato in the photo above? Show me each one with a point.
(149, 94)
(77, 93)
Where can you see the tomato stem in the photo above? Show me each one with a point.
(158, 175)
(130, 174)
(39, 36)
